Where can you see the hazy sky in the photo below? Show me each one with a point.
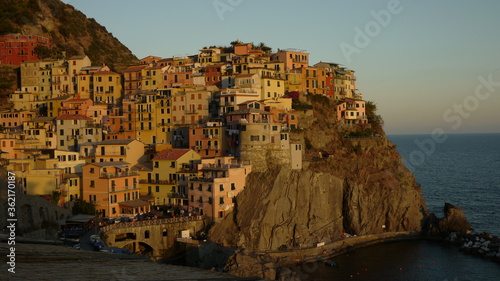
(427, 64)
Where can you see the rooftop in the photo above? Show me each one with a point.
(171, 154)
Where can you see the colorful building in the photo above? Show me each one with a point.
(214, 191)
(162, 181)
(113, 187)
(18, 48)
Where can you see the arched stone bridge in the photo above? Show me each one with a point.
(155, 237)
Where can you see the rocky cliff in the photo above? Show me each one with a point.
(354, 185)
(69, 29)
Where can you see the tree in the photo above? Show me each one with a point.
(372, 116)
(235, 42)
(56, 196)
(83, 207)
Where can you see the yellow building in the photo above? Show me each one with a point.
(128, 150)
(162, 182)
(42, 129)
(152, 77)
(209, 56)
(107, 87)
(55, 105)
(191, 105)
(36, 77)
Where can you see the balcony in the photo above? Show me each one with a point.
(193, 111)
(211, 137)
(201, 179)
(74, 137)
(220, 167)
(118, 175)
(92, 125)
(177, 195)
(169, 182)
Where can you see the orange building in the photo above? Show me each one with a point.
(133, 78)
(292, 58)
(113, 188)
(209, 139)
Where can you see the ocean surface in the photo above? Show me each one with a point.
(463, 170)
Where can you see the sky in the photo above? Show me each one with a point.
(430, 66)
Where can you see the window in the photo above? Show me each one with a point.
(157, 188)
(254, 138)
(209, 189)
(221, 187)
(91, 170)
(61, 132)
(221, 200)
(92, 184)
(233, 186)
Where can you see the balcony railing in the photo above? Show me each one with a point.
(201, 179)
(178, 195)
(118, 175)
(170, 182)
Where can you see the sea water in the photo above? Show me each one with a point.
(463, 170)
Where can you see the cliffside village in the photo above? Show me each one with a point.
(177, 131)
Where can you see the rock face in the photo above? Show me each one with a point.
(454, 221)
(358, 186)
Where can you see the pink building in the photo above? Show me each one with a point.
(351, 112)
(213, 193)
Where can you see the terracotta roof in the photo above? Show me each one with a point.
(112, 142)
(155, 67)
(65, 97)
(43, 119)
(74, 117)
(78, 100)
(171, 154)
(135, 68)
(249, 111)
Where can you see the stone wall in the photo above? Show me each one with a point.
(160, 237)
(33, 212)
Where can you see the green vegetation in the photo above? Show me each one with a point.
(373, 118)
(15, 13)
(56, 196)
(298, 105)
(83, 207)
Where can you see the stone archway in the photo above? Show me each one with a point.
(140, 248)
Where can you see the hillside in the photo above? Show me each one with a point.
(70, 30)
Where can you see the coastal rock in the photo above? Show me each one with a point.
(454, 221)
(349, 185)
